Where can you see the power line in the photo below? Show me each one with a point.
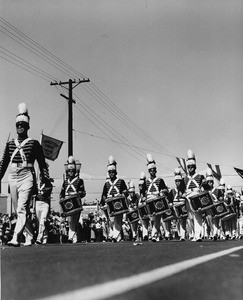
(27, 64)
(23, 68)
(41, 47)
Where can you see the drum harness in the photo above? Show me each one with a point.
(113, 185)
(41, 189)
(152, 184)
(192, 180)
(177, 195)
(70, 185)
(19, 148)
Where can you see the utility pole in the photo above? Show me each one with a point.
(70, 108)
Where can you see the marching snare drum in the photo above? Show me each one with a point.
(71, 205)
(201, 201)
(157, 205)
(168, 215)
(218, 210)
(180, 209)
(133, 215)
(117, 205)
(143, 211)
(230, 213)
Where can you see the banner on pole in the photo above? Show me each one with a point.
(239, 172)
(51, 147)
(217, 173)
(182, 163)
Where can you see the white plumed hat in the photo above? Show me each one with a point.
(131, 186)
(23, 115)
(209, 174)
(221, 184)
(177, 174)
(191, 159)
(142, 178)
(151, 162)
(70, 165)
(111, 163)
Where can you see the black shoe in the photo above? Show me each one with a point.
(145, 238)
(70, 241)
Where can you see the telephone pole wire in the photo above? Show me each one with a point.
(71, 85)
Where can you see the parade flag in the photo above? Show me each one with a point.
(51, 147)
(217, 173)
(239, 172)
(182, 163)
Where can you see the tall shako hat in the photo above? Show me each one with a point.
(221, 184)
(131, 186)
(177, 174)
(191, 159)
(151, 162)
(23, 115)
(111, 164)
(72, 164)
(142, 178)
(209, 174)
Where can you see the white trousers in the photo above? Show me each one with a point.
(145, 226)
(181, 226)
(116, 227)
(195, 219)
(21, 187)
(41, 209)
(73, 226)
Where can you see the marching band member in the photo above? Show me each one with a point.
(133, 200)
(42, 207)
(240, 222)
(212, 223)
(220, 191)
(73, 185)
(114, 187)
(238, 212)
(20, 154)
(145, 220)
(155, 187)
(194, 183)
(230, 225)
(178, 195)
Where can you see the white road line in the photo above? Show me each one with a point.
(119, 286)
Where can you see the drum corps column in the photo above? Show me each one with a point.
(73, 186)
(114, 195)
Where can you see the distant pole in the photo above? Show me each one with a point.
(70, 108)
(70, 119)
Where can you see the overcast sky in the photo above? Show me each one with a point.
(165, 77)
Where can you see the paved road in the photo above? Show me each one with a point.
(56, 271)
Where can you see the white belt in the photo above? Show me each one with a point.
(22, 165)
